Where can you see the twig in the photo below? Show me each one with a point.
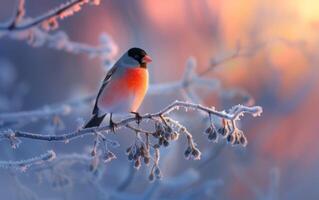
(24, 164)
(61, 12)
(239, 111)
(30, 30)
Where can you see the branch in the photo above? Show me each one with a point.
(30, 30)
(24, 164)
(106, 50)
(48, 19)
(231, 116)
(166, 131)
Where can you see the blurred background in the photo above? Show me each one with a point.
(279, 72)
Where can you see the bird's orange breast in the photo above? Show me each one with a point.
(137, 82)
(126, 92)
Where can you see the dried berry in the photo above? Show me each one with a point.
(243, 140)
(137, 163)
(183, 129)
(167, 136)
(165, 143)
(128, 150)
(187, 152)
(156, 134)
(161, 141)
(157, 172)
(209, 130)
(231, 139)
(212, 136)
(196, 154)
(151, 177)
(93, 152)
(223, 131)
(130, 156)
(174, 136)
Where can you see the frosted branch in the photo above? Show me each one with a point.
(166, 130)
(47, 20)
(24, 164)
(232, 116)
(35, 31)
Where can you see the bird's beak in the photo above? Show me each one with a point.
(147, 59)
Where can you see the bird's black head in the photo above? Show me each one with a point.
(139, 55)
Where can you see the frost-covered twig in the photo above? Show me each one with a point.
(106, 50)
(232, 116)
(21, 28)
(166, 130)
(24, 164)
(47, 20)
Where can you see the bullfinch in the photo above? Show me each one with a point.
(123, 88)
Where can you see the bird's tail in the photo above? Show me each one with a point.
(94, 121)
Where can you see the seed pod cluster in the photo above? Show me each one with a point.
(164, 134)
(211, 133)
(155, 173)
(237, 138)
(233, 137)
(138, 153)
(192, 152)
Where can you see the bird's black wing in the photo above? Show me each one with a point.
(105, 82)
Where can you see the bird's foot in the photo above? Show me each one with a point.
(138, 117)
(112, 124)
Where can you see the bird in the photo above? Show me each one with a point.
(123, 88)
